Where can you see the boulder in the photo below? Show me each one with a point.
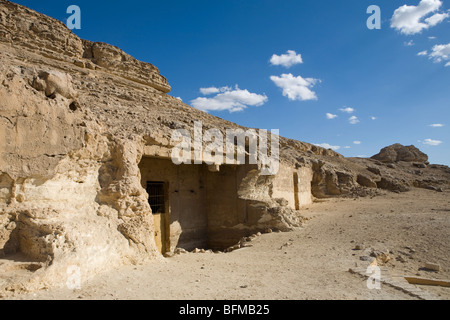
(366, 181)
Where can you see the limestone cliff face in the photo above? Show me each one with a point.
(67, 193)
(76, 119)
(24, 28)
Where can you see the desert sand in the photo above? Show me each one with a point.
(311, 262)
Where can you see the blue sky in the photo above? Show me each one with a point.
(238, 50)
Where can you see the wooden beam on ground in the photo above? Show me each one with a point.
(428, 282)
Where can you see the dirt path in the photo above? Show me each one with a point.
(309, 263)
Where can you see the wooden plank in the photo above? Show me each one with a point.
(428, 282)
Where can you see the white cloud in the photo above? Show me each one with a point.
(353, 120)
(431, 38)
(213, 90)
(412, 19)
(179, 98)
(347, 147)
(357, 142)
(410, 43)
(447, 64)
(331, 116)
(423, 53)
(436, 125)
(231, 100)
(296, 88)
(287, 60)
(432, 142)
(437, 18)
(373, 118)
(327, 146)
(347, 110)
(440, 52)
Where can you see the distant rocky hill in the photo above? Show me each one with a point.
(398, 152)
(77, 118)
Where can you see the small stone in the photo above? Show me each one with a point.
(268, 230)
(282, 202)
(20, 198)
(79, 63)
(374, 170)
(432, 266)
(232, 248)
(11, 226)
(180, 251)
(359, 247)
(366, 258)
(382, 257)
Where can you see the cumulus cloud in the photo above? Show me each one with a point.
(436, 125)
(353, 120)
(423, 53)
(331, 116)
(347, 110)
(327, 146)
(213, 90)
(296, 88)
(440, 52)
(229, 99)
(432, 142)
(437, 18)
(287, 60)
(414, 19)
(373, 118)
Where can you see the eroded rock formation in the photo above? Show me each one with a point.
(398, 152)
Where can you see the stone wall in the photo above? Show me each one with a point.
(186, 193)
(294, 185)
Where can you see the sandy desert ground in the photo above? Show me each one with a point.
(310, 263)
